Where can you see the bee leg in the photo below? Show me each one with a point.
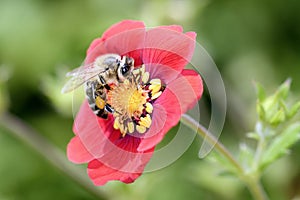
(103, 82)
(108, 108)
(102, 113)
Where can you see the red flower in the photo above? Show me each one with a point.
(118, 150)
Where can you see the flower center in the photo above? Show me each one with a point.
(132, 101)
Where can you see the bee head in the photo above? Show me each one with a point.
(126, 67)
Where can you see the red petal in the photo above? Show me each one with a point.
(89, 132)
(121, 162)
(173, 27)
(101, 174)
(167, 46)
(122, 26)
(122, 38)
(77, 153)
(116, 29)
(180, 95)
(107, 145)
(188, 88)
(122, 155)
(124, 158)
(166, 114)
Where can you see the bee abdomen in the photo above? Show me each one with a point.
(90, 96)
(95, 102)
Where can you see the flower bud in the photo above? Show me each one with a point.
(272, 110)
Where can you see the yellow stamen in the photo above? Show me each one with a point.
(145, 77)
(126, 82)
(155, 85)
(136, 101)
(117, 123)
(155, 96)
(149, 107)
(138, 77)
(136, 71)
(142, 69)
(140, 129)
(130, 126)
(130, 100)
(145, 121)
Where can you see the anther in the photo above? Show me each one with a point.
(126, 82)
(132, 100)
(116, 123)
(145, 121)
(155, 96)
(142, 69)
(149, 107)
(140, 129)
(145, 77)
(130, 126)
(155, 85)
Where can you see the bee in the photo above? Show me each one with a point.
(97, 77)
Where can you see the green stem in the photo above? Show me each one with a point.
(204, 133)
(54, 155)
(258, 152)
(252, 183)
(256, 189)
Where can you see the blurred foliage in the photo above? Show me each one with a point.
(249, 40)
(4, 99)
(275, 132)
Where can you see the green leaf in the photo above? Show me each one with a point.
(260, 111)
(280, 144)
(294, 110)
(272, 109)
(260, 92)
(284, 89)
(278, 117)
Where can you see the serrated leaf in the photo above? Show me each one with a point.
(281, 144)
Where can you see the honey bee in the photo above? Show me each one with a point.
(98, 76)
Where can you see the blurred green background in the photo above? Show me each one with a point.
(40, 40)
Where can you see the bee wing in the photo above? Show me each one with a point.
(79, 76)
(82, 69)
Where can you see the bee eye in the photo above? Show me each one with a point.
(124, 69)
